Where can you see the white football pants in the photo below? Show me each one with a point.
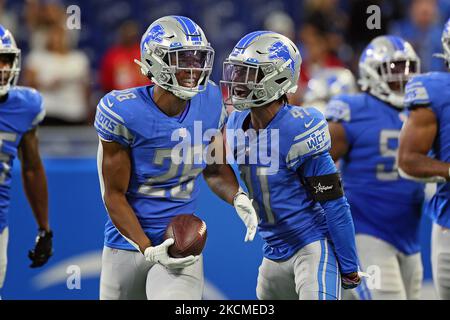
(396, 276)
(440, 260)
(3, 257)
(310, 274)
(126, 275)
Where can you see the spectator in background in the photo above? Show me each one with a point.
(40, 17)
(326, 16)
(315, 50)
(62, 76)
(423, 30)
(280, 22)
(8, 18)
(118, 70)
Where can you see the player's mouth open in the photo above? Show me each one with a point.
(189, 83)
(240, 91)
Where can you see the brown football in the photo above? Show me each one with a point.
(189, 233)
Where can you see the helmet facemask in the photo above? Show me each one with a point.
(183, 71)
(397, 73)
(388, 79)
(9, 69)
(247, 86)
(446, 47)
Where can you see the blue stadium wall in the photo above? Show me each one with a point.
(77, 218)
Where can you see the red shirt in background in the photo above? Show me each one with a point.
(331, 61)
(119, 71)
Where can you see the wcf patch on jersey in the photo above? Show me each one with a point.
(317, 140)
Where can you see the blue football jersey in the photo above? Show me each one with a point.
(382, 203)
(161, 186)
(21, 112)
(289, 218)
(432, 90)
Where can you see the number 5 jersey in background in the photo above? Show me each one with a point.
(383, 204)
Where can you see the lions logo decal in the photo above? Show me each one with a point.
(154, 34)
(278, 50)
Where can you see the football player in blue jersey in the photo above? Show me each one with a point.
(386, 209)
(20, 112)
(304, 217)
(428, 128)
(146, 179)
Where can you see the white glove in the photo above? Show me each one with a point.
(159, 254)
(247, 213)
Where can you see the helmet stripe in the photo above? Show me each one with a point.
(189, 27)
(397, 42)
(245, 41)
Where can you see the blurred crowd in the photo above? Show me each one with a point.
(74, 68)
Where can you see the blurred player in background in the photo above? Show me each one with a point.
(20, 113)
(305, 219)
(386, 209)
(327, 83)
(428, 128)
(143, 185)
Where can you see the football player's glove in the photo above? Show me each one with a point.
(43, 249)
(159, 254)
(247, 213)
(351, 280)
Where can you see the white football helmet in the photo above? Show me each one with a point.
(9, 61)
(385, 66)
(327, 83)
(172, 45)
(445, 39)
(262, 67)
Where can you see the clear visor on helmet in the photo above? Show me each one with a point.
(241, 83)
(397, 73)
(192, 67)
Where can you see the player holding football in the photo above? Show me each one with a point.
(428, 128)
(143, 184)
(386, 208)
(305, 219)
(20, 112)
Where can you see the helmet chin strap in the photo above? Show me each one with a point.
(396, 100)
(4, 90)
(183, 94)
(393, 99)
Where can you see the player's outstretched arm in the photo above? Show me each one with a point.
(322, 180)
(35, 186)
(222, 181)
(116, 171)
(416, 140)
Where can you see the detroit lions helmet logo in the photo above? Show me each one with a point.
(279, 50)
(154, 34)
(5, 38)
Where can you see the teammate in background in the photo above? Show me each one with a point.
(327, 83)
(428, 128)
(305, 220)
(20, 112)
(144, 180)
(386, 209)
